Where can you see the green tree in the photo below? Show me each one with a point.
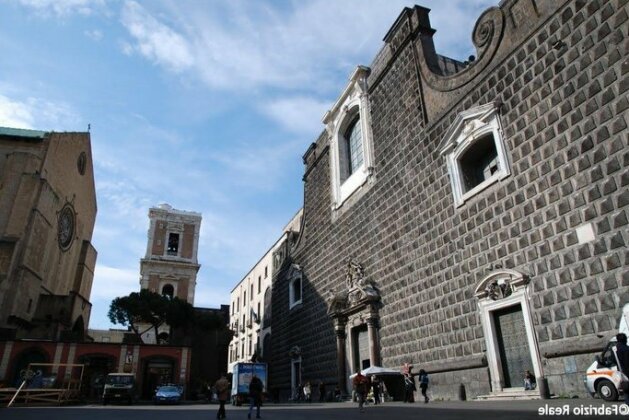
(150, 308)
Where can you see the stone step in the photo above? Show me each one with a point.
(510, 394)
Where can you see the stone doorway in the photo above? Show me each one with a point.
(513, 348)
(360, 345)
(510, 339)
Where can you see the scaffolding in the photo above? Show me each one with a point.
(61, 387)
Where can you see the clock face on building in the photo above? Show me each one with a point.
(66, 227)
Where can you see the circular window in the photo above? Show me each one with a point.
(81, 162)
(66, 227)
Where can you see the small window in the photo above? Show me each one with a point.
(266, 271)
(259, 284)
(294, 286)
(173, 244)
(479, 162)
(168, 290)
(251, 294)
(295, 292)
(244, 298)
(475, 152)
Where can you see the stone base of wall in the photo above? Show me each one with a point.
(445, 385)
(565, 374)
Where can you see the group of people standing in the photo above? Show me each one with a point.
(410, 388)
(304, 392)
(363, 384)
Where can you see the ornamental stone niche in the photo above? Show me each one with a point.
(503, 302)
(355, 311)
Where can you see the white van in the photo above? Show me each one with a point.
(603, 377)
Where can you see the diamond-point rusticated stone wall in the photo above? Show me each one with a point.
(559, 69)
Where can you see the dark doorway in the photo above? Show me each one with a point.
(97, 366)
(157, 371)
(360, 344)
(515, 355)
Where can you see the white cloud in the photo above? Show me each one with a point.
(301, 115)
(15, 114)
(94, 35)
(37, 113)
(242, 45)
(155, 40)
(60, 8)
(113, 282)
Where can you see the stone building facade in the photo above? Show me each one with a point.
(250, 318)
(171, 265)
(468, 218)
(47, 215)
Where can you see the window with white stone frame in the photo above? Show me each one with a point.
(295, 294)
(349, 129)
(475, 151)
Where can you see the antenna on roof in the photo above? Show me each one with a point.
(89, 126)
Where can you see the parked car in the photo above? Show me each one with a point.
(119, 387)
(603, 378)
(168, 394)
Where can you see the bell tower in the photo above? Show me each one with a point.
(170, 265)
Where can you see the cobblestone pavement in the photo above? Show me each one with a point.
(560, 409)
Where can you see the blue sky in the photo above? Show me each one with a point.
(205, 105)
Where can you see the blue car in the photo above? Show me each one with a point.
(168, 394)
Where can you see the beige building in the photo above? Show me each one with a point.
(250, 313)
(170, 265)
(47, 215)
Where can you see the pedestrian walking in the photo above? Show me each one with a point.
(255, 395)
(222, 393)
(409, 388)
(375, 387)
(622, 351)
(321, 391)
(423, 384)
(361, 387)
(308, 392)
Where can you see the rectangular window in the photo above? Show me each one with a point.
(266, 271)
(259, 284)
(251, 291)
(258, 313)
(244, 298)
(173, 244)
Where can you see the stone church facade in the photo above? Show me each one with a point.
(468, 218)
(47, 214)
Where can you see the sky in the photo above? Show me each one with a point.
(205, 105)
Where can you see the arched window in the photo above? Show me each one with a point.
(168, 290)
(475, 152)
(353, 141)
(351, 150)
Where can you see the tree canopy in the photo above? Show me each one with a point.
(143, 308)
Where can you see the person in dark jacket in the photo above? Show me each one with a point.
(423, 383)
(622, 352)
(255, 395)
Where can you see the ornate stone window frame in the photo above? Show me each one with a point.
(353, 103)
(502, 289)
(295, 276)
(469, 127)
